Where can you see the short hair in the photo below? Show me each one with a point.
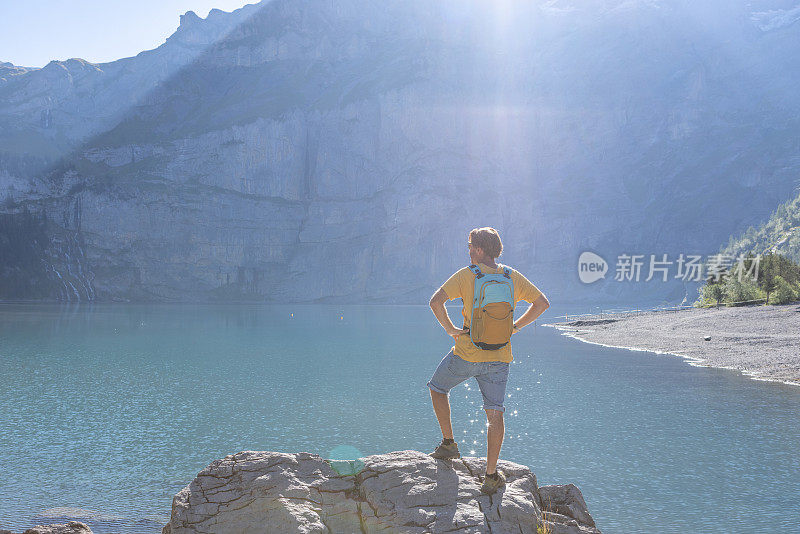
(488, 240)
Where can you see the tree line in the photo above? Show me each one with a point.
(777, 281)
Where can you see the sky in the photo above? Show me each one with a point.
(34, 32)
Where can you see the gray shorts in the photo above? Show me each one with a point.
(491, 376)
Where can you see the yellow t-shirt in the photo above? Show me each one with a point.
(460, 285)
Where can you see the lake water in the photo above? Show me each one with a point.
(113, 408)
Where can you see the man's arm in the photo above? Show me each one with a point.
(437, 306)
(536, 308)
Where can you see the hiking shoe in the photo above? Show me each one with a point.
(446, 452)
(491, 484)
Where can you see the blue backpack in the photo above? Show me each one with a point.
(492, 318)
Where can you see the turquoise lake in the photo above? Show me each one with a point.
(113, 408)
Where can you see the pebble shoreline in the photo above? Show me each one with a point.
(762, 342)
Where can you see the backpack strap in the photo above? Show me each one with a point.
(507, 274)
(477, 270)
(478, 274)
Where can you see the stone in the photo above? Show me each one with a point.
(567, 500)
(100, 521)
(400, 491)
(70, 527)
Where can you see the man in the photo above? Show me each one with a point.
(465, 360)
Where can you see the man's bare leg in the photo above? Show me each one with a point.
(495, 431)
(441, 405)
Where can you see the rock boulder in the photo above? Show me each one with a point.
(402, 491)
(71, 527)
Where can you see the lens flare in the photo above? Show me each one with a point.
(346, 460)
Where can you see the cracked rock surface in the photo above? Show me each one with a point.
(401, 491)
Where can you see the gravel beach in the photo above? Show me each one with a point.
(762, 342)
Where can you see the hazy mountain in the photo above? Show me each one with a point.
(316, 150)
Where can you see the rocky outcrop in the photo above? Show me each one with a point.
(71, 527)
(402, 491)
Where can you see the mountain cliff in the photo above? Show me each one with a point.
(311, 150)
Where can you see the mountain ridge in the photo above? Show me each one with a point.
(337, 142)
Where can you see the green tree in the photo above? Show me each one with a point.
(716, 289)
(767, 273)
(787, 269)
(740, 290)
(784, 291)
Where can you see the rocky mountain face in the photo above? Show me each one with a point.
(401, 491)
(312, 150)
